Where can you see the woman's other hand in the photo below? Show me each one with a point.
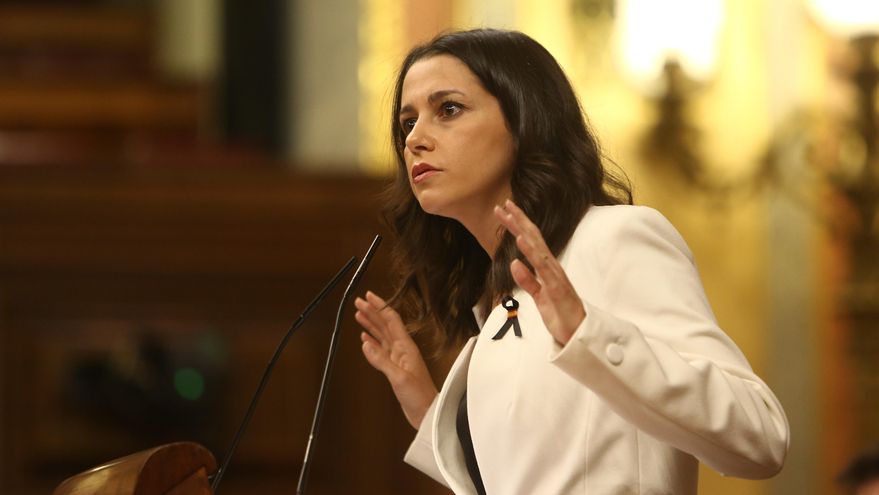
(557, 301)
(389, 349)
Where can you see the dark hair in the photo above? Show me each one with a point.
(863, 469)
(557, 175)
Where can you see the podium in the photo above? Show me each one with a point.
(174, 469)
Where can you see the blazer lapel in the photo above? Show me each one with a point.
(447, 448)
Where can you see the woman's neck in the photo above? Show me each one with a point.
(486, 229)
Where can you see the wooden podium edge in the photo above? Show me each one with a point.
(179, 468)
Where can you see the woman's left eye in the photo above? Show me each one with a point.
(450, 109)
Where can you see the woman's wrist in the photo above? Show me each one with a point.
(417, 417)
(568, 334)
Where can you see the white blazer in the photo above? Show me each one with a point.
(647, 385)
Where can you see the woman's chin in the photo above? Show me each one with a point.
(430, 205)
(431, 209)
(436, 210)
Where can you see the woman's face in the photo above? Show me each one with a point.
(459, 152)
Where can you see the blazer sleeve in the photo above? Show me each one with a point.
(654, 353)
(420, 454)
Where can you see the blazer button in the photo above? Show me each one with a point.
(614, 354)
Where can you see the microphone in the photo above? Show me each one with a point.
(265, 376)
(331, 355)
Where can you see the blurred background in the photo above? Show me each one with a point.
(179, 177)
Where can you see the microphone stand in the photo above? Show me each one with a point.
(265, 376)
(331, 355)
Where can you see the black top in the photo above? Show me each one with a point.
(462, 425)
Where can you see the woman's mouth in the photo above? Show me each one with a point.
(422, 171)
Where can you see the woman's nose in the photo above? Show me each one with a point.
(420, 139)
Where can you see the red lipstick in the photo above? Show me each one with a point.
(422, 171)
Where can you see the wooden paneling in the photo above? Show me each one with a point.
(103, 270)
(27, 104)
(26, 24)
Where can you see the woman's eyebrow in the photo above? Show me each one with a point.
(436, 95)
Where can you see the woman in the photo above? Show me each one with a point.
(593, 362)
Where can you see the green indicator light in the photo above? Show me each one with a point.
(189, 383)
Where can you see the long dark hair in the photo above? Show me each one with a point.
(557, 175)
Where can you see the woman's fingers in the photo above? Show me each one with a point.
(547, 268)
(530, 242)
(520, 224)
(389, 349)
(393, 323)
(528, 236)
(364, 320)
(369, 318)
(375, 299)
(549, 286)
(524, 278)
(376, 356)
(508, 220)
(396, 367)
(383, 323)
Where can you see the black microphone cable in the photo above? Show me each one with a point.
(265, 376)
(331, 355)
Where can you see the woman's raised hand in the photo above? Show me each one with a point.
(557, 301)
(389, 349)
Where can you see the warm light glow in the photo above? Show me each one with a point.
(546, 21)
(846, 17)
(383, 47)
(650, 32)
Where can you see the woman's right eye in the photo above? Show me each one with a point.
(407, 125)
